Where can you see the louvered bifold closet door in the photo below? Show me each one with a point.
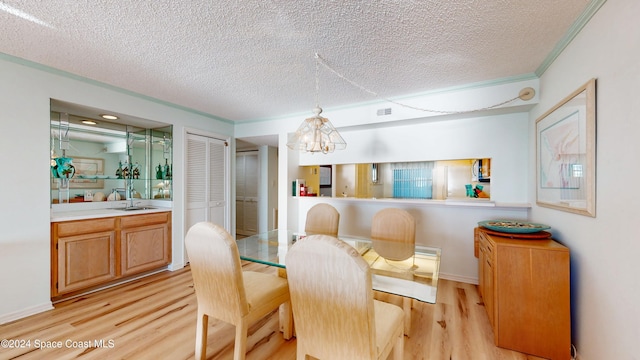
(206, 184)
(217, 183)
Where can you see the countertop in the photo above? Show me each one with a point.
(69, 212)
(459, 202)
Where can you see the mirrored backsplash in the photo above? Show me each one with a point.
(94, 159)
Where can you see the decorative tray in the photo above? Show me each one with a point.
(513, 227)
(540, 235)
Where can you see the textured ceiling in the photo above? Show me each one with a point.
(254, 59)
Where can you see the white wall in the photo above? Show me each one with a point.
(605, 249)
(503, 138)
(25, 90)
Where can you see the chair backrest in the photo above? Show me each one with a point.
(322, 219)
(216, 271)
(397, 230)
(332, 299)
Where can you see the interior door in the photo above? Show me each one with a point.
(247, 178)
(207, 185)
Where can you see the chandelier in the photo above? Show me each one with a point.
(317, 133)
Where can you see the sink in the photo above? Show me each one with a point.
(134, 208)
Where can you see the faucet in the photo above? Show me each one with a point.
(129, 186)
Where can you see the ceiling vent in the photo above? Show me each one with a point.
(383, 112)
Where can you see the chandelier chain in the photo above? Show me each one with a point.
(321, 61)
(317, 81)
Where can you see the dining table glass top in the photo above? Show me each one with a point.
(415, 277)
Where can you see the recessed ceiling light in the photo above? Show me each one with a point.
(109, 117)
(89, 122)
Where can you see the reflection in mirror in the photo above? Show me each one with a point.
(107, 160)
(374, 173)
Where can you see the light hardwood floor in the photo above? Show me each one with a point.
(155, 318)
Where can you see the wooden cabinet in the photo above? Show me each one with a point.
(88, 254)
(524, 284)
(83, 254)
(144, 243)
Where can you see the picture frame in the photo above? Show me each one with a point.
(566, 153)
(86, 172)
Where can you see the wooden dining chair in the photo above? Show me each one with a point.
(322, 219)
(224, 291)
(333, 306)
(393, 236)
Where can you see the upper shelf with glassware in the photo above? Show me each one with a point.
(93, 159)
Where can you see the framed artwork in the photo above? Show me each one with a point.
(87, 171)
(566, 153)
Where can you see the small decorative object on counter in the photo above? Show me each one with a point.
(125, 171)
(469, 188)
(136, 170)
(166, 172)
(476, 192)
(114, 196)
(98, 196)
(119, 170)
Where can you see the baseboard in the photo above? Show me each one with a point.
(115, 283)
(458, 278)
(26, 312)
(176, 266)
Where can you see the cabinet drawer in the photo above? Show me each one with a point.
(85, 226)
(144, 219)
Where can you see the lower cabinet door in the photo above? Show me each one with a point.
(144, 248)
(85, 260)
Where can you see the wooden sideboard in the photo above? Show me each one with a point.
(89, 254)
(524, 284)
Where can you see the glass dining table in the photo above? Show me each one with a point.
(413, 278)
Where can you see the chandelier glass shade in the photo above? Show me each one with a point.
(317, 134)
